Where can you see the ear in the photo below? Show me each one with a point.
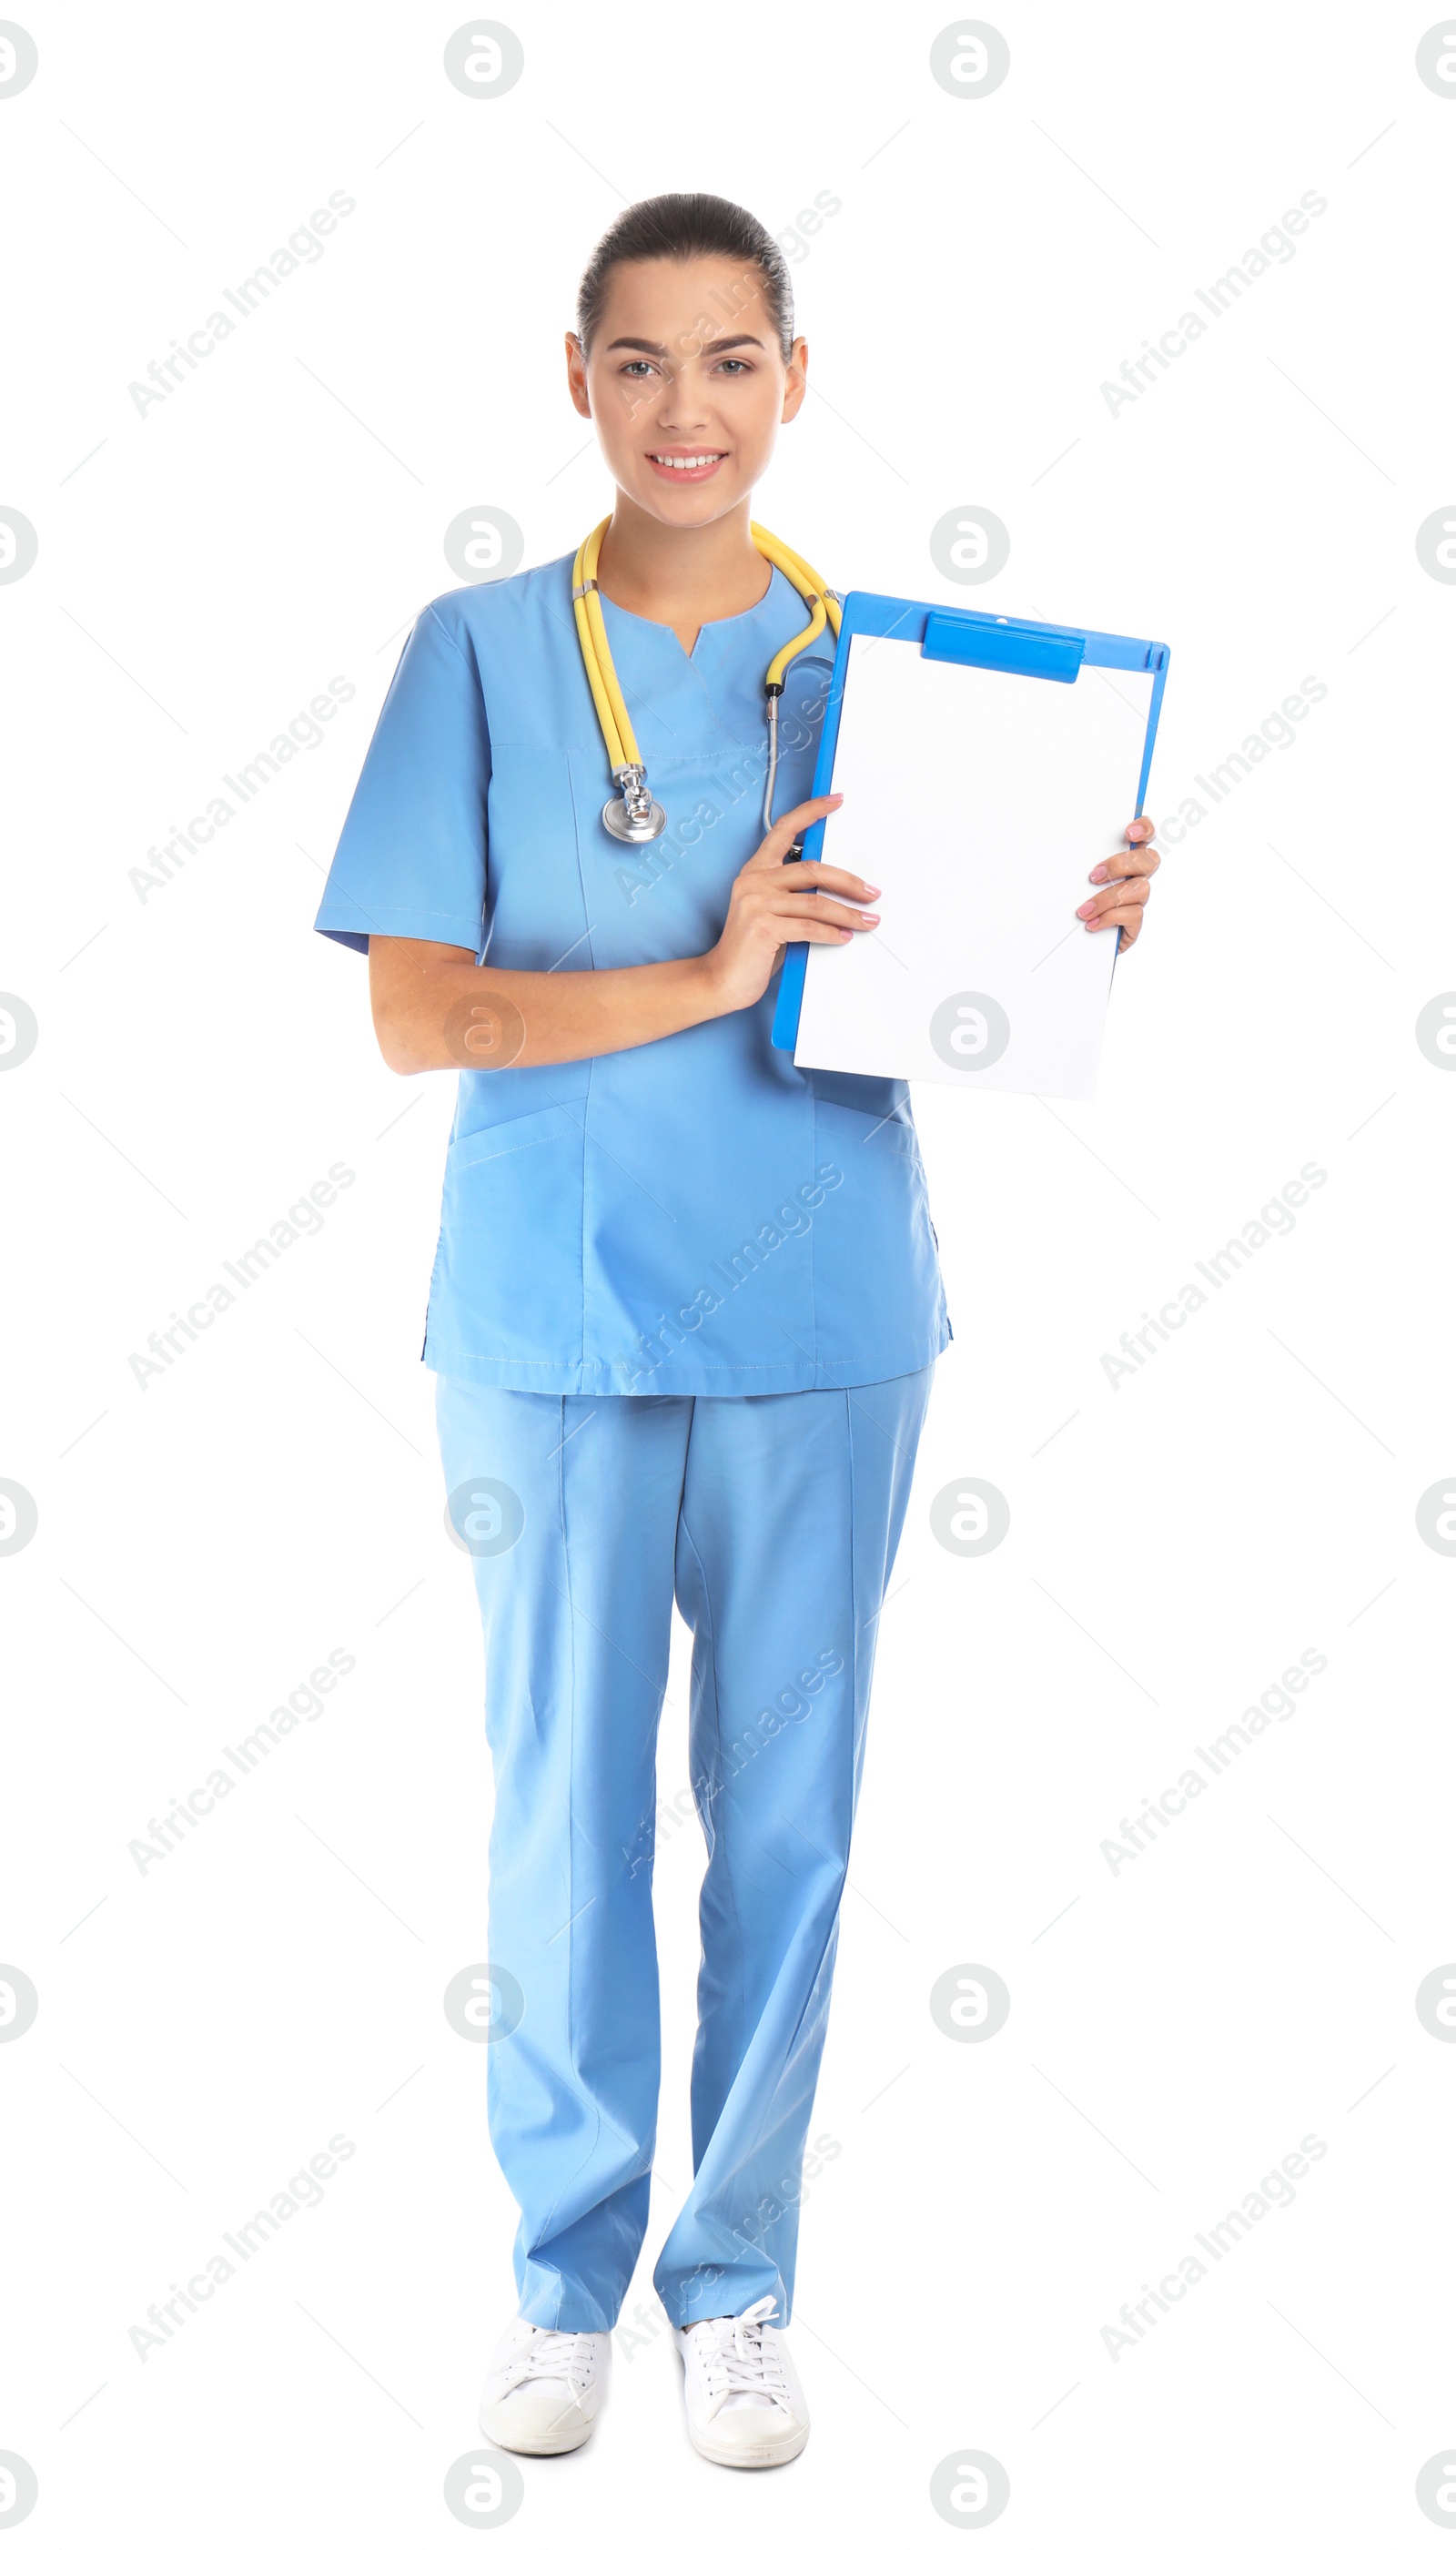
(576, 375)
(796, 383)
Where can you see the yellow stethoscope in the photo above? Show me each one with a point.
(635, 816)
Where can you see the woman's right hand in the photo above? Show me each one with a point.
(773, 904)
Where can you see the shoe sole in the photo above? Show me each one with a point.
(540, 2446)
(769, 2457)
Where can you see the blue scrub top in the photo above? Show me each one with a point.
(695, 1216)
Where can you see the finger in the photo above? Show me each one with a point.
(788, 906)
(823, 933)
(1135, 889)
(771, 850)
(813, 874)
(1144, 862)
(1140, 830)
(1123, 916)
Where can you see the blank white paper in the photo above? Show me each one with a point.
(977, 801)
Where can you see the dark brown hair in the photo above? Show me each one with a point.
(685, 227)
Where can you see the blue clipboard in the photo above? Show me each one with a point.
(1040, 648)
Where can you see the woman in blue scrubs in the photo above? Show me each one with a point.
(683, 1316)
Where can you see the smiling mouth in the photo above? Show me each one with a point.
(698, 465)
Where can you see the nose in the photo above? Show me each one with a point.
(680, 405)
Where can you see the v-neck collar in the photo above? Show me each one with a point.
(732, 620)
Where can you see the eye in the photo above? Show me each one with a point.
(636, 369)
(734, 363)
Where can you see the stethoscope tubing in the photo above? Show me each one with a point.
(635, 816)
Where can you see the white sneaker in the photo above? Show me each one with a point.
(742, 2398)
(544, 2387)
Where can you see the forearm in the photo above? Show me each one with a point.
(434, 1012)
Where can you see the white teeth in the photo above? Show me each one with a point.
(706, 462)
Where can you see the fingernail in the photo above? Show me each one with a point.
(1098, 875)
(1082, 910)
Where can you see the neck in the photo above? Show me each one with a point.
(666, 573)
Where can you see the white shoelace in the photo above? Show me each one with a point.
(738, 2358)
(555, 2354)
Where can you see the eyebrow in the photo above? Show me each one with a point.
(717, 346)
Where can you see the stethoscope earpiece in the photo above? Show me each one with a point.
(635, 816)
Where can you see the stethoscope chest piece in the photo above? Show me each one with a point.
(636, 815)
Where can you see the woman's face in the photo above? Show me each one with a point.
(685, 367)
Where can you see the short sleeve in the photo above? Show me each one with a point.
(411, 858)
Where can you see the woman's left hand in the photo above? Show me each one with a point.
(1120, 905)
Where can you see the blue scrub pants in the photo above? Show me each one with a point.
(775, 1521)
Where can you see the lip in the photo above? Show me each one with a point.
(684, 477)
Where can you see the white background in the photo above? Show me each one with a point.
(1176, 1541)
